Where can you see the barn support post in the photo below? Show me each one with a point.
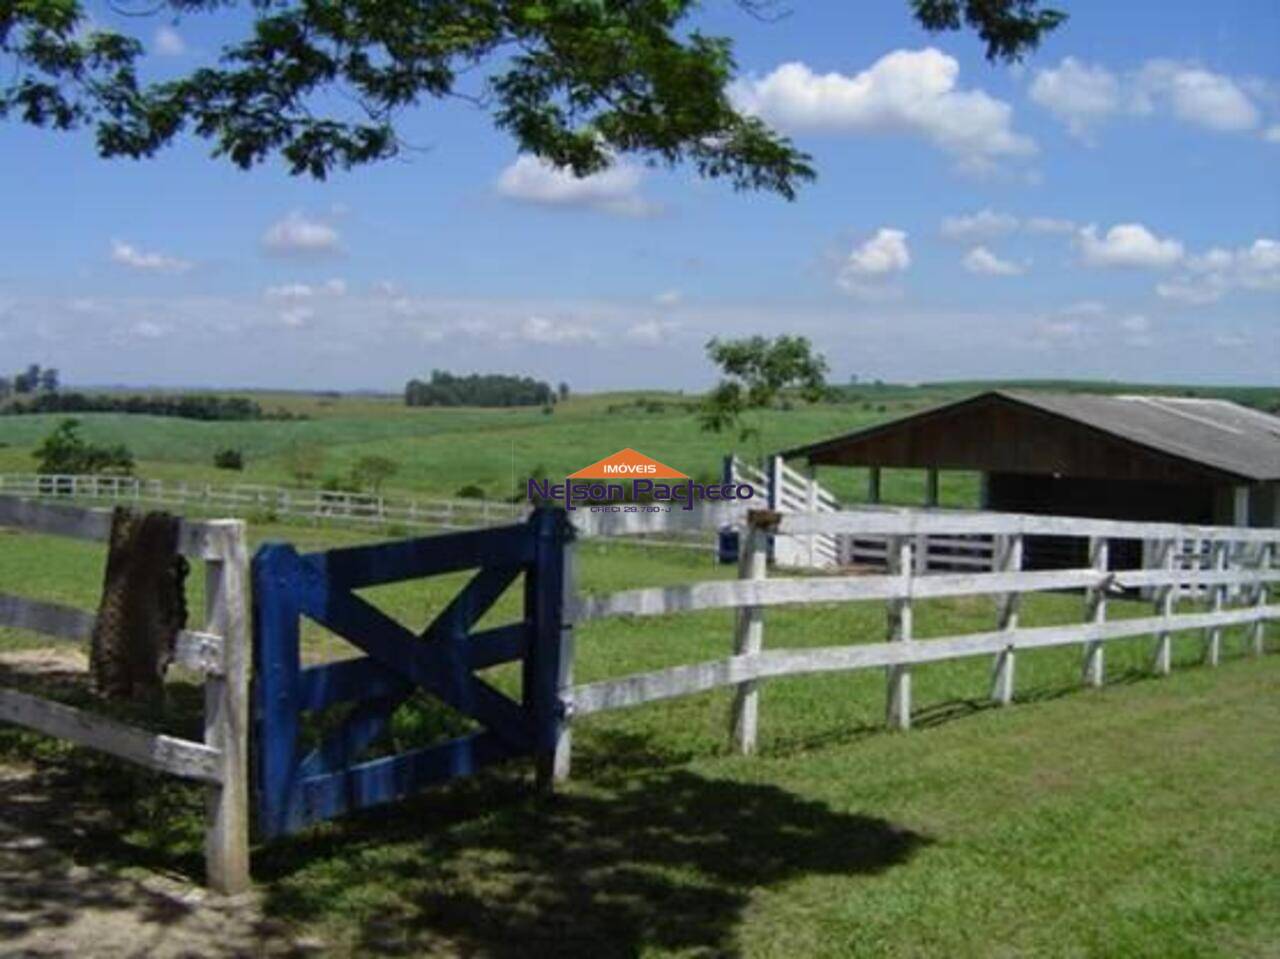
(873, 484)
(749, 640)
(1213, 635)
(931, 487)
(548, 664)
(898, 678)
(226, 715)
(1166, 559)
(1096, 610)
(1008, 556)
(1258, 631)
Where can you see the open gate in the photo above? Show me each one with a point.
(295, 789)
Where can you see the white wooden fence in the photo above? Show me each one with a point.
(785, 490)
(906, 582)
(220, 651)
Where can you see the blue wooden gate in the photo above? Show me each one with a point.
(295, 789)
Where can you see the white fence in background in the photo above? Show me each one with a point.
(315, 506)
(1244, 566)
(788, 491)
(220, 652)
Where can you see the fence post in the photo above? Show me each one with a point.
(1213, 635)
(1167, 559)
(1096, 609)
(748, 640)
(1258, 631)
(226, 716)
(1008, 550)
(898, 678)
(548, 664)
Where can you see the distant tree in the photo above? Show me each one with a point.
(6, 387)
(49, 380)
(228, 459)
(65, 451)
(371, 472)
(304, 462)
(756, 371)
(27, 381)
(477, 389)
(563, 391)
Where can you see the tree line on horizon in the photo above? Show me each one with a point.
(482, 389)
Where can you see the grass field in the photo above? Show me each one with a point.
(439, 451)
(1138, 820)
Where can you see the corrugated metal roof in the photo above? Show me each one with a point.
(1215, 433)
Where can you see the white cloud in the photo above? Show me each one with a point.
(297, 316)
(540, 329)
(1194, 95)
(298, 235)
(1127, 245)
(1207, 277)
(1272, 135)
(169, 42)
(649, 332)
(615, 190)
(1084, 95)
(1084, 308)
(668, 298)
(906, 91)
(869, 266)
(1077, 94)
(1048, 224)
(983, 261)
(305, 291)
(128, 255)
(148, 330)
(983, 225)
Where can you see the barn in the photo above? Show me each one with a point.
(1131, 457)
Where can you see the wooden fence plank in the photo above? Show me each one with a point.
(1008, 560)
(898, 677)
(1167, 559)
(226, 719)
(748, 641)
(199, 651)
(1096, 610)
(168, 754)
(683, 680)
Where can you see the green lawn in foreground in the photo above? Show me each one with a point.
(1138, 820)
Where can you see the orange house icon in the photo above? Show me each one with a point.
(628, 464)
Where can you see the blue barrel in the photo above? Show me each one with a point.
(727, 545)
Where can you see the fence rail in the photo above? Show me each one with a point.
(1244, 564)
(220, 652)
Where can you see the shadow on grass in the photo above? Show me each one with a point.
(668, 861)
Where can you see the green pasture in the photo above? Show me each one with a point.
(1136, 820)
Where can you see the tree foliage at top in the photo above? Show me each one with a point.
(323, 83)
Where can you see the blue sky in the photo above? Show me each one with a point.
(1109, 208)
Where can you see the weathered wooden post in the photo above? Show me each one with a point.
(1218, 592)
(1096, 609)
(1008, 555)
(1166, 559)
(226, 713)
(749, 635)
(898, 678)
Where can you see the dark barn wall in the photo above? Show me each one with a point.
(995, 435)
(1099, 499)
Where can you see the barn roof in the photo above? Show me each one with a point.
(1216, 434)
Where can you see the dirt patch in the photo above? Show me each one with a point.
(59, 898)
